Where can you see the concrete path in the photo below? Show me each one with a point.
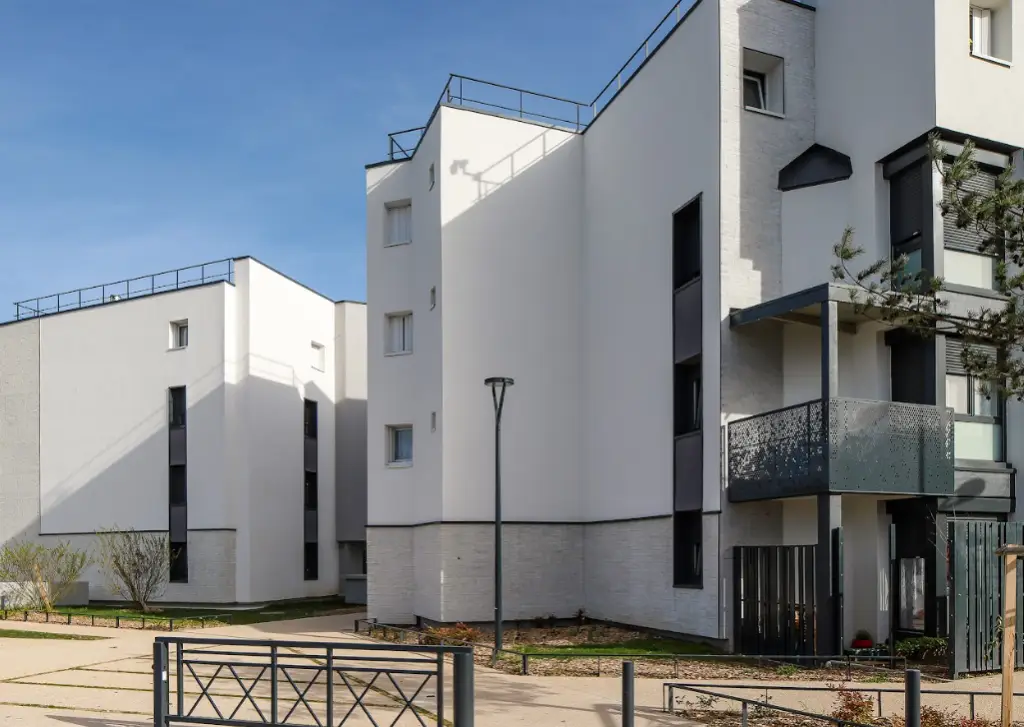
(107, 683)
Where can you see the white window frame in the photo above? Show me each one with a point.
(981, 31)
(759, 80)
(179, 330)
(392, 440)
(403, 346)
(391, 210)
(319, 356)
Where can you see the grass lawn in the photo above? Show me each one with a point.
(215, 616)
(18, 634)
(637, 647)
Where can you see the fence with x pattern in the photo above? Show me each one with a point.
(327, 684)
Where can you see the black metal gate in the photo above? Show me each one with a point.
(246, 682)
(774, 599)
(975, 595)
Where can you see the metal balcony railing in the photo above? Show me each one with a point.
(841, 445)
(124, 289)
(530, 105)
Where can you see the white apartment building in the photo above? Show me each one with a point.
(691, 388)
(223, 404)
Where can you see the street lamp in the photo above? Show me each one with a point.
(498, 385)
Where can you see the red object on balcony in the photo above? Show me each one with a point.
(862, 643)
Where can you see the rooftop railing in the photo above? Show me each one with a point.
(532, 106)
(211, 272)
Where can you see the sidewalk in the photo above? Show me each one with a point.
(107, 683)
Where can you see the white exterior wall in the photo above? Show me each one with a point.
(85, 397)
(863, 364)
(283, 319)
(813, 221)
(511, 306)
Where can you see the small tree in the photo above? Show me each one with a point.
(887, 290)
(136, 565)
(41, 576)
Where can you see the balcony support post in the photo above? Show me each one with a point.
(828, 629)
(829, 350)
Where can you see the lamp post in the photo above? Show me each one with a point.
(497, 384)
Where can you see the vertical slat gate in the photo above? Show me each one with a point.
(975, 594)
(774, 599)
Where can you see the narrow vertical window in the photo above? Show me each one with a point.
(310, 493)
(177, 490)
(399, 223)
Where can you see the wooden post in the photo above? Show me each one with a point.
(1009, 635)
(1009, 554)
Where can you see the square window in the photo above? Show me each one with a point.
(399, 223)
(179, 334)
(318, 355)
(991, 29)
(400, 445)
(177, 406)
(764, 82)
(398, 333)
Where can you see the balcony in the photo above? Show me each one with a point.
(842, 446)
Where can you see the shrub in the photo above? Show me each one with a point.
(923, 647)
(41, 575)
(853, 706)
(136, 565)
(459, 632)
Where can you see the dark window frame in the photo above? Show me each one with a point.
(688, 392)
(311, 491)
(688, 549)
(179, 563)
(687, 243)
(177, 405)
(178, 487)
(311, 561)
(310, 424)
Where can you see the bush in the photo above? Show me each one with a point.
(41, 576)
(922, 648)
(459, 632)
(136, 565)
(853, 706)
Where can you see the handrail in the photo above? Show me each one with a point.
(34, 307)
(585, 112)
(668, 689)
(759, 704)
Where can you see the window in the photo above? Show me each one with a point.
(310, 497)
(179, 334)
(991, 27)
(686, 243)
(310, 562)
(911, 617)
(977, 412)
(430, 175)
(399, 223)
(687, 556)
(400, 445)
(398, 334)
(177, 485)
(179, 563)
(433, 298)
(317, 356)
(909, 200)
(688, 395)
(309, 423)
(965, 268)
(753, 90)
(177, 406)
(764, 82)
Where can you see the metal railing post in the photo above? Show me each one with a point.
(463, 689)
(912, 698)
(273, 684)
(743, 714)
(628, 702)
(330, 686)
(161, 698)
(179, 676)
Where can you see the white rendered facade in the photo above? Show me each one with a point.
(91, 440)
(546, 254)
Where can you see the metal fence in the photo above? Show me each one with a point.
(201, 274)
(539, 107)
(248, 682)
(116, 620)
(610, 663)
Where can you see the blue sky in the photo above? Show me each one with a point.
(142, 136)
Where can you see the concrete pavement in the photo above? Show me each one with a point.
(107, 683)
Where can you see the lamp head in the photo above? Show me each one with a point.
(495, 381)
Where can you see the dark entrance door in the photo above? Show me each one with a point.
(918, 557)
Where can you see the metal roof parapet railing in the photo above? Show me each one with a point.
(518, 103)
(187, 277)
